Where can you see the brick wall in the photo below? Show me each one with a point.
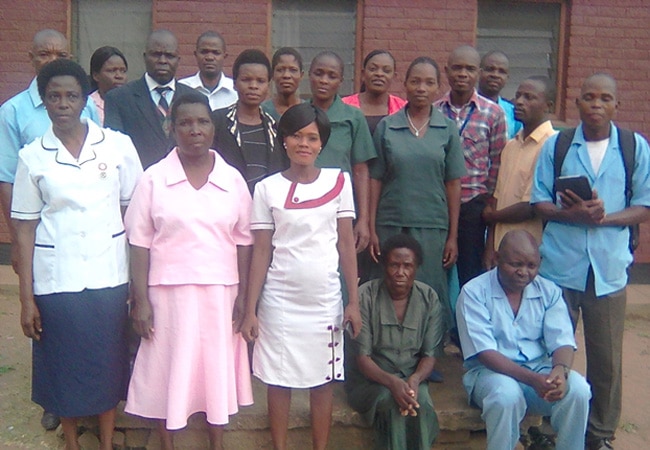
(244, 24)
(19, 21)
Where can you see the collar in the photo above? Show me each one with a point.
(153, 84)
(50, 142)
(400, 120)
(267, 122)
(176, 173)
(387, 310)
(531, 291)
(446, 99)
(32, 90)
(543, 130)
(335, 109)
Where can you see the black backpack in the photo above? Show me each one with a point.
(627, 145)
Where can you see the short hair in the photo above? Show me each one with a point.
(550, 90)
(376, 52)
(493, 53)
(211, 34)
(605, 75)
(423, 60)
(60, 68)
(188, 98)
(328, 54)
(299, 116)
(401, 240)
(155, 34)
(100, 56)
(251, 56)
(286, 51)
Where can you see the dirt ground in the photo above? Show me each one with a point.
(19, 417)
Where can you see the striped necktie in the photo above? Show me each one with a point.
(163, 105)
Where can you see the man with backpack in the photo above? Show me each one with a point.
(586, 242)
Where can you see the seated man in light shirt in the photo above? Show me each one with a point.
(518, 345)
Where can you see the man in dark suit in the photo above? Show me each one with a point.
(140, 108)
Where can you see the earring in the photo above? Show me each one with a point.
(284, 145)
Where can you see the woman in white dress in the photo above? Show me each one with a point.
(302, 224)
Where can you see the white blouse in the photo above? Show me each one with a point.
(80, 240)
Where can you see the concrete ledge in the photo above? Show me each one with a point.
(249, 429)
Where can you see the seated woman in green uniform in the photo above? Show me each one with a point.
(350, 144)
(415, 180)
(401, 335)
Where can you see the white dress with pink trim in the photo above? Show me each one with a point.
(300, 311)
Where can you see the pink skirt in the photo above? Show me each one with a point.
(194, 362)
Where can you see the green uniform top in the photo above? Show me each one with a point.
(269, 108)
(350, 141)
(398, 347)
(413, 170)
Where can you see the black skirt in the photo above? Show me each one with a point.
(80, 365)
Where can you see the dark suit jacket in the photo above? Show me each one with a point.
(129, 109)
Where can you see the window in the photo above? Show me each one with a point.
(124, 24)
(313, 26)
(529, 33)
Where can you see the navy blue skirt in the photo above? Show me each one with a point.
(80, 365)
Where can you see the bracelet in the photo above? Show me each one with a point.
(566, 368)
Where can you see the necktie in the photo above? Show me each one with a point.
(163, 106)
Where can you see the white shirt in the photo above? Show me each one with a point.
(80, 241)
(155, 95)
(222, 96)
(596, 150)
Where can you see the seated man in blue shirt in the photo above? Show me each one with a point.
(518, 345)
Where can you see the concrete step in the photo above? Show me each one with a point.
(461, 424)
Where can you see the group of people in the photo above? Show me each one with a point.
(257, 215)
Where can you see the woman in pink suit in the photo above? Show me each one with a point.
(188, 226)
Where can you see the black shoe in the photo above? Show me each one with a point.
(600, 444)
(49, 421)
(539, 440)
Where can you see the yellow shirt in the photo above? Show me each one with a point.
(515, 178)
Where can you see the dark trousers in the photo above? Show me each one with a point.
(471, 239)
(603, 321)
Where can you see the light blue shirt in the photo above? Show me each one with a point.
(486, 321)
(23, 118)
(512, 124)
(568, 249)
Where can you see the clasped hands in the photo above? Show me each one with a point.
(405, 394)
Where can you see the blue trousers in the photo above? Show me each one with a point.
(505, 401)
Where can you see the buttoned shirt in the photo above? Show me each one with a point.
(350, 141)
(512, 124)
(568, 250)
(155, 95)
(192, 234)
(482, 128)
(222, 96)
(413, 171)
(486, 321)
(398, 347)
(24, 118)
(515, 179)
(80, 241)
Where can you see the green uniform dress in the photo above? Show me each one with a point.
(397, 349)
(413, 172)
(350, 141)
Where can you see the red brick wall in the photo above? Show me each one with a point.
(19, 21)
(244, 24)
(418, 28)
